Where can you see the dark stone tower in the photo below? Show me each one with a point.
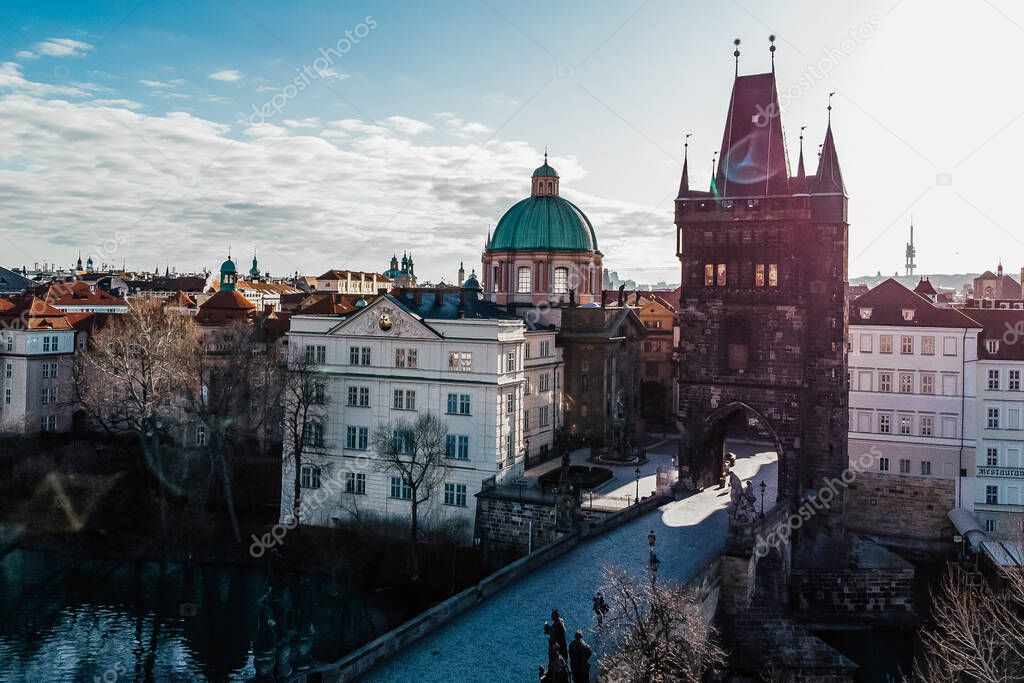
(762, 306)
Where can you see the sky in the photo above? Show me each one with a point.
(332, 135)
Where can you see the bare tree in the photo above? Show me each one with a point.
(413, 450)
(976, 631)
(303, 401)
(657, 632)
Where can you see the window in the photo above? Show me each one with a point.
(992, 457)
(7, 396)
(949, 385)
(906, 383)
(319, 392)
(200, 435)
(948, 427)
(865, 343)
(405, 358)
(403, 441)
(545, 349)
(542, 416)
(949, 346)
(316, 354)
(357, 438)
(359, 397)
(313, 433)
(759, 275)
(928, 384)
(355, 482)
(456, 447)
(523, 280)
(50, 343)
(1013, 380)
(906, 344)
(992, 345)
(560, 282)
(10, 342)
(460, 361)
(885, 343)
(709, 274)
(885, 381)
(359, 355)
(49, 395)
(8, 370)
(526, 386)
(584, 382)
(510, 403)
(885, 424)
(993, 380)
(509, 448)
(400, 489)
(992, 495)
(309, 477)
(510, 361)
(543, 382)
(455, 494)
(990, 526)
(773, 275)
(906, 423)
(720, 275)
(927, 425)
(405, 399)
(928, 346)
(883, 464)
(904, 466)
(49, 423)
(1013, 418)
(993, 418)
(926, 467)
(49, 370)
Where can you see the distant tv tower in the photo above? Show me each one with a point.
(911, 251)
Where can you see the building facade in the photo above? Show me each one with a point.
(913, 413)
(442, 351)
(542, 393)
(352, 282)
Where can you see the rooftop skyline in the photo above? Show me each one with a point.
(329, 136)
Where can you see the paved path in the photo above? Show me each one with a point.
(502, 639)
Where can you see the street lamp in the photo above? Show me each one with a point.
(763, 487)
(637, 473)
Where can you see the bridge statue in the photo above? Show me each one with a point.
(742, 510)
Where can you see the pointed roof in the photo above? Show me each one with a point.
(830, 178)
(924, 288)
(180, 298)
(885, 305)
(684, 182)
(32, 313)
(752, 161)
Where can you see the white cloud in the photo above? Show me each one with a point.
(230, 75)
(155, 84)
(119, 104)
(462, 128)
(310, 122)
(330, 74)
(62, 47)
(26, 54)
(11, 79)
(406, 125)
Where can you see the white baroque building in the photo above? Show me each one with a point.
(444, 351)
(912, 370)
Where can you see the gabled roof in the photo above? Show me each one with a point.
(31, 312)
(330, 303)
(180, 298)
(1001, 325)
(14, 282)
(924, 288)
(77, 293)
(227, 301)
(336, 274)
(888, 301)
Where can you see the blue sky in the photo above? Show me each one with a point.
(129, 129)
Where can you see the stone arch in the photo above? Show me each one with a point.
(708, 447)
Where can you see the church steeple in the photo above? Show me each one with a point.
(545, 180)
(684, 182)
(254, 272)
(228, 275)
(830, 178)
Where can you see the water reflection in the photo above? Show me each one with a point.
(78, 619)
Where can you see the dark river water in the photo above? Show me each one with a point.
(70, 619)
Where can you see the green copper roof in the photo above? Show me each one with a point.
(545, 223)
(545, 171)
(228, 266)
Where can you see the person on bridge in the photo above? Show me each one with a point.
(579, 659)
(601, 607)
(651, 539)
(556, 633)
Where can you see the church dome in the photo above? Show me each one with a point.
(228, 266)
(545, 171)
(544, 223)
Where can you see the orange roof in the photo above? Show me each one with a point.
(77, 293)
(180, 298)
(6, 305)
(33, 313)
(227, 301)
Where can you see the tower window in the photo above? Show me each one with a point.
(720, 276)
(759, 275)
(773, 275)
(561, 280)
(709, 274)
(523, 280)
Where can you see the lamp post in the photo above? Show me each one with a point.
(637, 473)
(763, 487)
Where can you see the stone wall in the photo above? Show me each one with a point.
(900, 505)
(870, 592)
(505, 526)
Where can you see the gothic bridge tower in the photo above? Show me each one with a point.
(762, 313)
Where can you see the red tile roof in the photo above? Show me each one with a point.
(1003, 325)
(31, 312)
(887, 302)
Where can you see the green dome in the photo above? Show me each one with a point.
(545, 171)
(228, 266)
(471, 282)
(544, 223)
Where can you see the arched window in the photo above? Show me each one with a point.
(561, 280)
(523, 285)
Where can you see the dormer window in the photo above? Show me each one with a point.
(908, 313)
(992, 345)
(865, 314)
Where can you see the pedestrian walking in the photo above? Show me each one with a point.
(556, 633)
(579, 659)
(651, 540)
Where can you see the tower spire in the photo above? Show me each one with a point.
(830, 107)
(800, 172)
(684, 182)
(771, 39)
(736, 54)
(714, 187)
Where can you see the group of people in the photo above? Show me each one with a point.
(566, 662)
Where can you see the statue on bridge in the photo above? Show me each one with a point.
(742, 510)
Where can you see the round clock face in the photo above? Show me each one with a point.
(384, 322)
